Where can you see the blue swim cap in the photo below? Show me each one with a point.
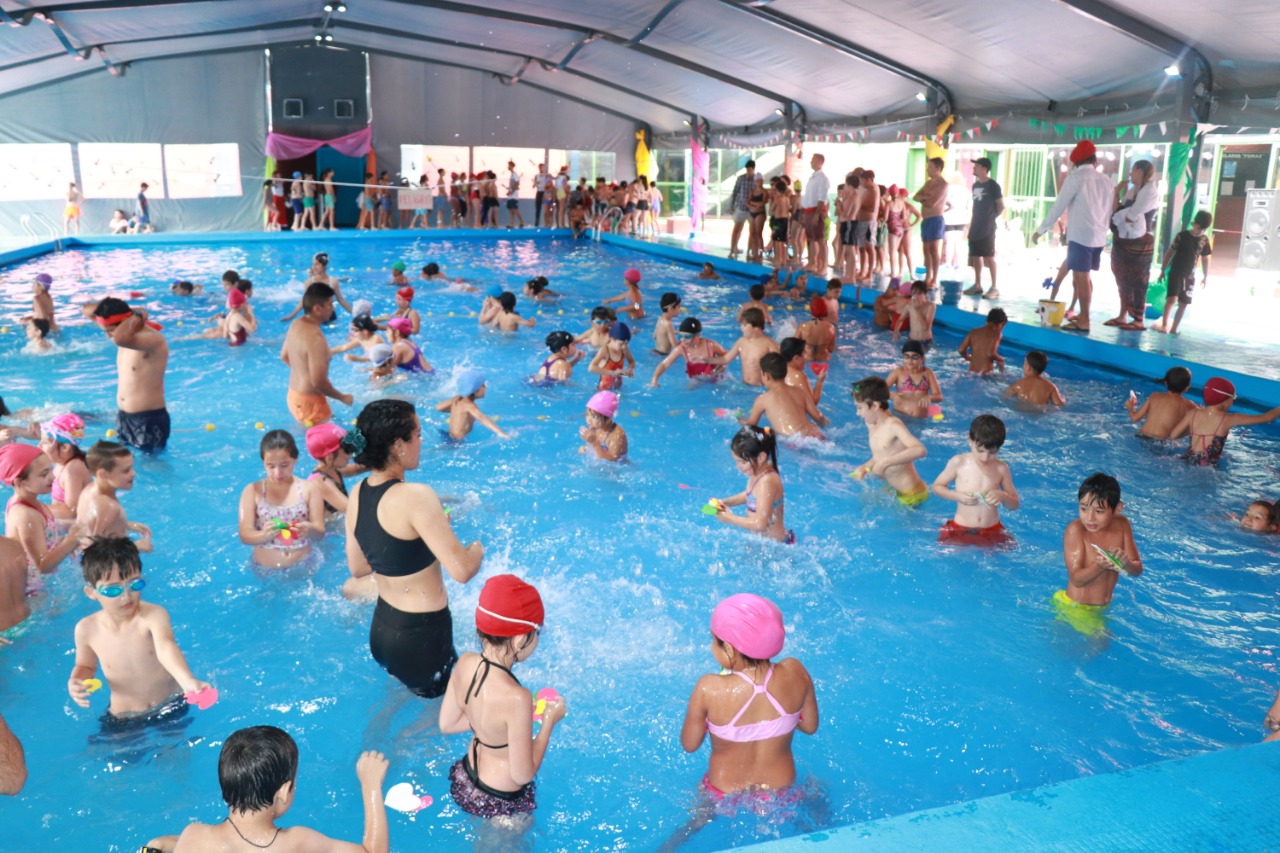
(495, 291)
(469, 382)
(620, 332)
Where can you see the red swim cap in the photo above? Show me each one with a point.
(15, 459)
(508, 607)
(1218, 390)
(632, 275)
(405, 293)
(818, 306)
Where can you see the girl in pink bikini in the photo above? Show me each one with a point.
(751, 710)
(1210, 426)
(281, 514)
(60, 441)
(698, 353)
(30, 522)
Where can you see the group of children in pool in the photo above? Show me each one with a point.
(751, 728)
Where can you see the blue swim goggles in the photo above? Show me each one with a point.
(116, 590)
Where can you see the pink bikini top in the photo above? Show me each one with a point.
(783, 724)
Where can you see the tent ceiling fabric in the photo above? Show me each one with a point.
(663, 61)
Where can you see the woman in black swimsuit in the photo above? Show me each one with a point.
(755, 210)
(397, 547)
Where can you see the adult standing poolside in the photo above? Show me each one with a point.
(397, 548)
(1085, 197)
(988, 205)
(933, 226)
(1133, 247)
(306, 352)
(142, 355)
(813, 214)
(738, 204)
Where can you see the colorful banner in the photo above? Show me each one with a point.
(698, 187)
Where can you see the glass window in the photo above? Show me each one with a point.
(417, 160)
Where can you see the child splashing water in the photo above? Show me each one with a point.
(280, 514)
(751, 709)
(755, 452)
(495, 779)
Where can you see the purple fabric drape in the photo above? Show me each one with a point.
(283, 147)
(698, 188)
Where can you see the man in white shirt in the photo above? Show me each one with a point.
(1086, 197)
(513, 197)
(813, 215)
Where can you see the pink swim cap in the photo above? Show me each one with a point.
(604, 403)
(324, 439)
(15, 459)
(632, 275)
(1218, 390)
(67, 428)
(401, 324)
(751, 624)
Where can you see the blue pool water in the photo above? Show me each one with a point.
(941, 673)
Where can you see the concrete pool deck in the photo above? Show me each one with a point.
(1219, 801)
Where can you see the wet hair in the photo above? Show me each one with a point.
(789, 348)
(1177, 379)
(382, 423)
(253, 765)
(107, 553)
(4, 410)
(1100, 488)
(1203, 218)
(364, 323)
(873, 391)
(278, 439)
(506, 642)
(508, 301)
(919, 287)
(987, 431)
(1037, 361)
(774, 364)
(537, 285)
(753, 317)
(756, 292)
(111, 307)
(102, 456)
(997, 317)
(42, 326)
(603, 312)
(432, 268)
(315, 294)
(183, 287)
(558, 340)
(834, 284)
(751, 441)
(245, 286)
(1272, 509)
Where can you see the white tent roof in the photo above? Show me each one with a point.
(735, 63)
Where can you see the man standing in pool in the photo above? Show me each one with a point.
(141, 358)
(306, 352)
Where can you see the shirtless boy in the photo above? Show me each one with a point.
(508, 320)
(141, 358)
(753, 344)
(918, 316)
(1032, 387)
(701, 355)
(894, 449)
(306, 352)
(602, 319)
(664, 333)
(756, 292)
(99, 510)
(462, 408)
(257, 771)
(133, 640)
(983, 485)
(1099, 544)
(792, 350)
(847, 201)
(980, 346)
(1163, 410)
(788, 410)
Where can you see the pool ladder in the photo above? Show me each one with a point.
(609, 222)
(50, 230)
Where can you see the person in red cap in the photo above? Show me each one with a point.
(405, 309)
(818, 335)
(28, 521)
(1209, 427)
(495, 779)
(1086, 196)
(632, 299)
(142, 354)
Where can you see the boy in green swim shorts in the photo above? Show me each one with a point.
(894, 449)
(1097, 547)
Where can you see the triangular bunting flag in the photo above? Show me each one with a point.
(1060, 129)
(1121, 131)
(1142, 128)
(1164, 127)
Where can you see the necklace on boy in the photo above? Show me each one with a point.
(247, 841)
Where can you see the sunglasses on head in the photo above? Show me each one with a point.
(115, 590)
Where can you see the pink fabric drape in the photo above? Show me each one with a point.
(283, 147)
(698, 187)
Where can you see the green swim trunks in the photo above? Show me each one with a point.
(1088, 619)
